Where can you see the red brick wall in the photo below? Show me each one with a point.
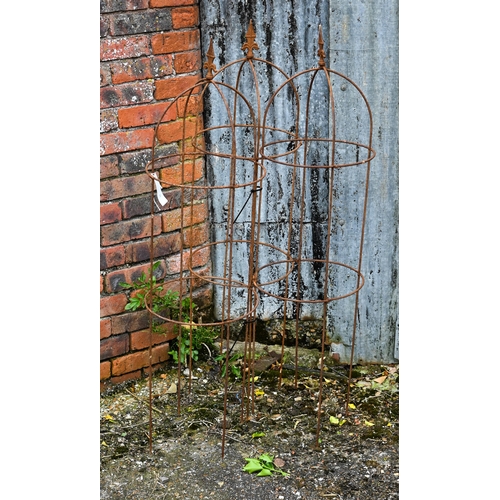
(150, 52)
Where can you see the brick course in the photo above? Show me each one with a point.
(164, 245)
(140, 340)
(184, 17)
(135, 161)
(150, 53)
(118, 142)
(124, 48)
(177, 130)
(109, 166)
(112, 257)
(170, 3)
(121, 5)
(109, 120)
(105, 370)
(129, 322)
(172, 87)
(110, 213)
(138, 360)
(129, 230)
(114, 346)
(105, 328)
(174, 219)
(130, 70)
(122, 187)
(187, 62)
(127, 94)
(132, 23)
(105, 74)
(145, 115)
(178, 41)
(113, 304)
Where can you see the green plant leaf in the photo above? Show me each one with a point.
(253, 465)
(170, 305)
(258, 434)
(265, 472)
(263, 465)
(266, 458)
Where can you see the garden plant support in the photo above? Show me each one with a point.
(251, 141)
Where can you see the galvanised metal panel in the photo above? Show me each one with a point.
(364, 45)
(361, 41)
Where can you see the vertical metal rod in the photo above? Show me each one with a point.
(150, 302)
(331, 184)
(226, 385)
(356, 306)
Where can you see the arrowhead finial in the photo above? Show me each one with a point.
(250, 44)
(321, 43)
(209, 65)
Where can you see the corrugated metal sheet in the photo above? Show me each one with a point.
(361, 41)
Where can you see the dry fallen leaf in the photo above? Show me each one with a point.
(279, 462)
(172, 389)
(380, 380)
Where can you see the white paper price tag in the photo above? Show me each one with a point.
(159, 193)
